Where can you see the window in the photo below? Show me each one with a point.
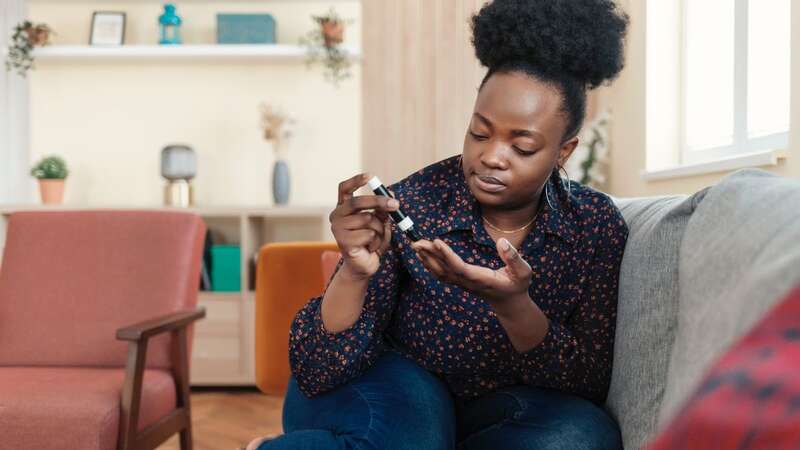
(734, 86)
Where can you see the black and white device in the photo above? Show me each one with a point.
(403, 222)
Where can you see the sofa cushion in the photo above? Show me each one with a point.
(646, 312)
(73, 408)
(750, 399)
(740, 254)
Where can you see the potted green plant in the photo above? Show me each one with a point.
(27, 35)
(589, 161)
(332, 29)
(51, 171)
(324, 44)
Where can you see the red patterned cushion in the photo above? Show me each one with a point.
(751, 397)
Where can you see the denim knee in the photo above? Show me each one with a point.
(523, 417)
(575, 423)
(394, 404)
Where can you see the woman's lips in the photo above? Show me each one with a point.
(489, 184)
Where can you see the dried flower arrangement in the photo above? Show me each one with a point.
(277, 127)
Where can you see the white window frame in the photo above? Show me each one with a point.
(741, 144)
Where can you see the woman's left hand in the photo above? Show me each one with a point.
(495, 286)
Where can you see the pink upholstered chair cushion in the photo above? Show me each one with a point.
(70, 279)
(73, 408)
(330, 259)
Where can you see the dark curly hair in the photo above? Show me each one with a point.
(573, 45)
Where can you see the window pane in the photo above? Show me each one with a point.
(767, 67)
(709, 73)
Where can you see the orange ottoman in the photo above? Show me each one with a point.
(288, 275)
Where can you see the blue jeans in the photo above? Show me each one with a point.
(397, 405)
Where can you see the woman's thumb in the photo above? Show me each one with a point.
(510, 256)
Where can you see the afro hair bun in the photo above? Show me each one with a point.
(579, 38)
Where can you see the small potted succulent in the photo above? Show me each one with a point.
(26, 37)
(324, 45)
(51, 171)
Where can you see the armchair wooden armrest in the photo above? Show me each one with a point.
(178, 420)
(152, 327)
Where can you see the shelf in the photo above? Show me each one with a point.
(278, 52)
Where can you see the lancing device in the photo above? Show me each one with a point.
(404, 222)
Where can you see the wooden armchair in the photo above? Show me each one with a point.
(70, 282)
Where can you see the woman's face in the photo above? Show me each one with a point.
(513, 140)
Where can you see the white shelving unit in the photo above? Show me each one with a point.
(276, 52)
(223, 352)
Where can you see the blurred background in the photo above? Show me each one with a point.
(704, 82)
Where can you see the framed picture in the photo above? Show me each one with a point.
(108, 28)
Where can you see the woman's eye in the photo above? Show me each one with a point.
(478, 137)
(523, 152)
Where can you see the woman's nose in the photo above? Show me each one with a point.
(494, 156)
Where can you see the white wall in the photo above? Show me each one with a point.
(110, 119)
(14, 185)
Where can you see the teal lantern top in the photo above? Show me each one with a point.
(170, 26)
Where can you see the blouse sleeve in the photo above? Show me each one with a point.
(321, 360)
(576, 354)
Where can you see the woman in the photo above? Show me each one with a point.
(496, 330)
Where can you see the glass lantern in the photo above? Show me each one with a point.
(170, 26)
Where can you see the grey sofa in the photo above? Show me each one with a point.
(698, 272)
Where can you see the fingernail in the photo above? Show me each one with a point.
(505, 244)
(393, 203)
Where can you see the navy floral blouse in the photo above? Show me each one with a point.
(574, 248)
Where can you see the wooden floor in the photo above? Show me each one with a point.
(228, 419)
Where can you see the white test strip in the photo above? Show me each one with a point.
(405, 224)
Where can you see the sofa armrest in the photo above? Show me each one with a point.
(152, 327)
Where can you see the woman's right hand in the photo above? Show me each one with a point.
(361, 227)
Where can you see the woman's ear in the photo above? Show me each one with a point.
(566, 150)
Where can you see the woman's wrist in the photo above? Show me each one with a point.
(346, 274)
(525, 324)
(343, 301)
(513, 306)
